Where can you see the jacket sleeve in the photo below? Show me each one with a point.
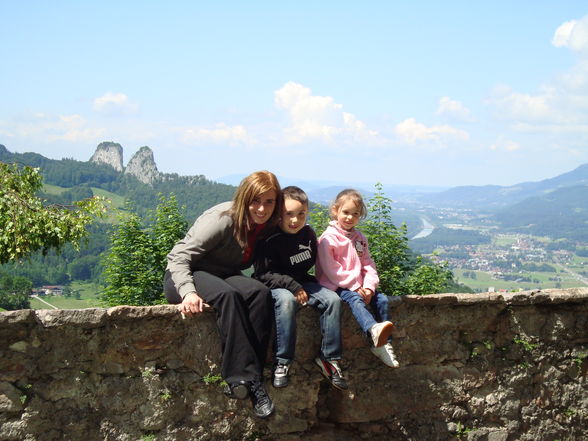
(368, 269)
(331, 268)
(202, 237)
(265, 270)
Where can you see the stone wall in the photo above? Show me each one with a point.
(493, 367)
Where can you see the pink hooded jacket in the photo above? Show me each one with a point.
(343, 260)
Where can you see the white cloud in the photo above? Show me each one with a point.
(221, 133)
(411, 132)
(74, 129)
(572, 34)
(560, 105)
(319, 117)
(520, 106)
(506, 145)
(454, 110)
(114, 103)
(40, 128)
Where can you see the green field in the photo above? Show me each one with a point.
(117, 201)
(484, 280)
(88, 298)
(53, 189)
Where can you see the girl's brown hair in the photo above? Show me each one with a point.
(348, 194)
(250, 187)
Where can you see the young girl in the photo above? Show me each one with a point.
(345, 266)
(205, 268)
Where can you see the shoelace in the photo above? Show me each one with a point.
(261, 397)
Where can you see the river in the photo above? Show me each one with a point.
(427, 229)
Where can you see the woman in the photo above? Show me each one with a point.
(205, 268)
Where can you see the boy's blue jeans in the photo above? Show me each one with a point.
(326, 302)
(378, 303)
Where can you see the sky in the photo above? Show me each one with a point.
(403, 93)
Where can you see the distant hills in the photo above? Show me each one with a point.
(139, 182)
(492, 197)
(557, 206)
(560, 213)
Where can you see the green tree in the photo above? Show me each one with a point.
(134, 266)
(83, 267)
(27, 225)
(388, 244)
(15, 292)
(400, 271)
(130, 266)
(319, 218)
(169, 226)
(428, 278)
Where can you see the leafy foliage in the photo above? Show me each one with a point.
(388, 244)
(319, 218)
(136, 261)
(69, 264)
(14, 292)
(27, 225)
(169, 226)
(399, 270)
(429, 278)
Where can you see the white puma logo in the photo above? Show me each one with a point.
(304, 247)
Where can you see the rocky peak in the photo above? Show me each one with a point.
(109, 153)
(142, 166)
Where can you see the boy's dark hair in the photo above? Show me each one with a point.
(296, 193)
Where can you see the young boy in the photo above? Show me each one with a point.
(282, 262)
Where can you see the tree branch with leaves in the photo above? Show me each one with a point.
(28, 225)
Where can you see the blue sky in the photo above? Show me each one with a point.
(431, 93)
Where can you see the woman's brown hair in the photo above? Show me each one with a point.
(251, 186)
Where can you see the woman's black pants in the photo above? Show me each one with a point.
(243, 310)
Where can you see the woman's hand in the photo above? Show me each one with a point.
(192, 304)
(367, 294)
(301, 297)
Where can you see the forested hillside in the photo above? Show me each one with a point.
(196, 193)
(69, 180)
(562, 213)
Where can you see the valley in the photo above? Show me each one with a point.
(498, 259)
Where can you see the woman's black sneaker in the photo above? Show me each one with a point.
(262, 403)
(238, 390)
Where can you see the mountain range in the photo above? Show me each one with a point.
(492, 197)
(139, 183)
(557, 205)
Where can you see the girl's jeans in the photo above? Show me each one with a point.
(326, 302)
(378, 303)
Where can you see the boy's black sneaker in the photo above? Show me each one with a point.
(262, 403)
(332, 372)
(281, 375)
(238, 390)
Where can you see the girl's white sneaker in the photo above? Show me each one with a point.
(380, 333)
(386, 354)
